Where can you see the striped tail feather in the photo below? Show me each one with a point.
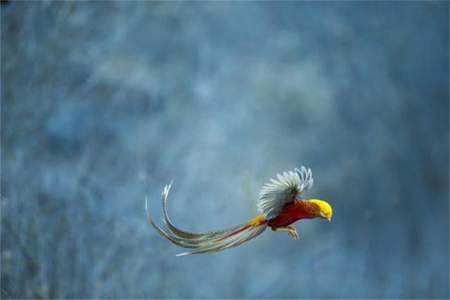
(177, 231)
(205, 242)
(246, 233)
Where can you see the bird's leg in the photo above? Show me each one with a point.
(291, 230)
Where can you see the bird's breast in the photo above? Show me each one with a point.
(290, 213)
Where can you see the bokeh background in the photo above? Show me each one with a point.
(105, 102)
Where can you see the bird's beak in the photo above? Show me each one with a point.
(325, 217)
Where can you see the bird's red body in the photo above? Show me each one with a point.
(293, 212)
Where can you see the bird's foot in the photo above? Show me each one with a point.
(292, 231)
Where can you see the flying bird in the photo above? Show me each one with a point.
(280, 205)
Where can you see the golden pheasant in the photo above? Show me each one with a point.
(279, 205)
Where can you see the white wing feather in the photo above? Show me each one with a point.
(278, 192)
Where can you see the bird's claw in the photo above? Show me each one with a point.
(292, 231)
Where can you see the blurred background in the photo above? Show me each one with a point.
(105, 102)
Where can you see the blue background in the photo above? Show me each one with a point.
(105, 102)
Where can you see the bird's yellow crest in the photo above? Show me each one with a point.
(326, 211)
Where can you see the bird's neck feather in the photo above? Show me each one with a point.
(305, 209)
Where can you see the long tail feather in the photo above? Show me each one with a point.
(178, 232)
(228, 242)
(204, 242)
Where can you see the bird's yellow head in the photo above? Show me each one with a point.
(325, 209)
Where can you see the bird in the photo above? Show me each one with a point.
(280, 204)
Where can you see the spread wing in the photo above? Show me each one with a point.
(283, 190)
